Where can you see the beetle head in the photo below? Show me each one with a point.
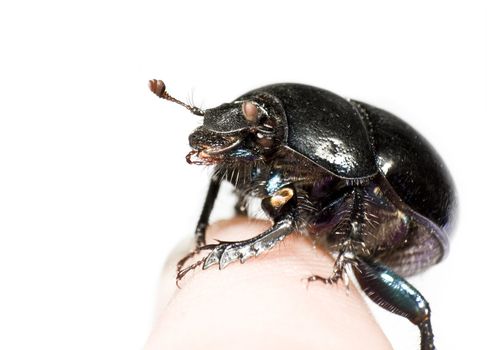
(247, 129)
(243, 130)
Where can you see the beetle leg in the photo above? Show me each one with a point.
(224, 253)
(339, 271)
(349, 231)
(280, 206)
(180, 264)
(395, 294)
(181, 272)
(227, 252)
(200, 231)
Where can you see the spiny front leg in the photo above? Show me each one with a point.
(281, 206)
(395, 294)
(181, 271)
(224, 253)
(228, 252)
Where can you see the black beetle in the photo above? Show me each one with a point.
(357, 179)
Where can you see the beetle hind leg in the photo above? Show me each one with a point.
(395, 294)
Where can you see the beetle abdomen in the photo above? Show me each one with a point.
(417, 175)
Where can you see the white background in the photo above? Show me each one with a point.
(94, 188)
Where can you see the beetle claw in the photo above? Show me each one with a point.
(214, 257)
(226, 253)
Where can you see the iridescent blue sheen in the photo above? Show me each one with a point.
(242, 154)
(392, 292)
(274, 183)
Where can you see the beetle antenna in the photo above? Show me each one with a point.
(159, 88)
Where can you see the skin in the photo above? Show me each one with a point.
(265, 303)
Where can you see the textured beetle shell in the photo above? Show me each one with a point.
(353, 140)
(412, 166)
(325, 128)
(420, 179)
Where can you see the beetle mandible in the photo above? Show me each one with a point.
(357, 179)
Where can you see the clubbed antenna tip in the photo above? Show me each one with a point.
(159, 88)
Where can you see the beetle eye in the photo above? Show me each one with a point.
(250, 111)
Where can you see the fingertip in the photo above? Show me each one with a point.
(268, 295)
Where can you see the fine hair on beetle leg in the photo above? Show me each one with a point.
(349, 232)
